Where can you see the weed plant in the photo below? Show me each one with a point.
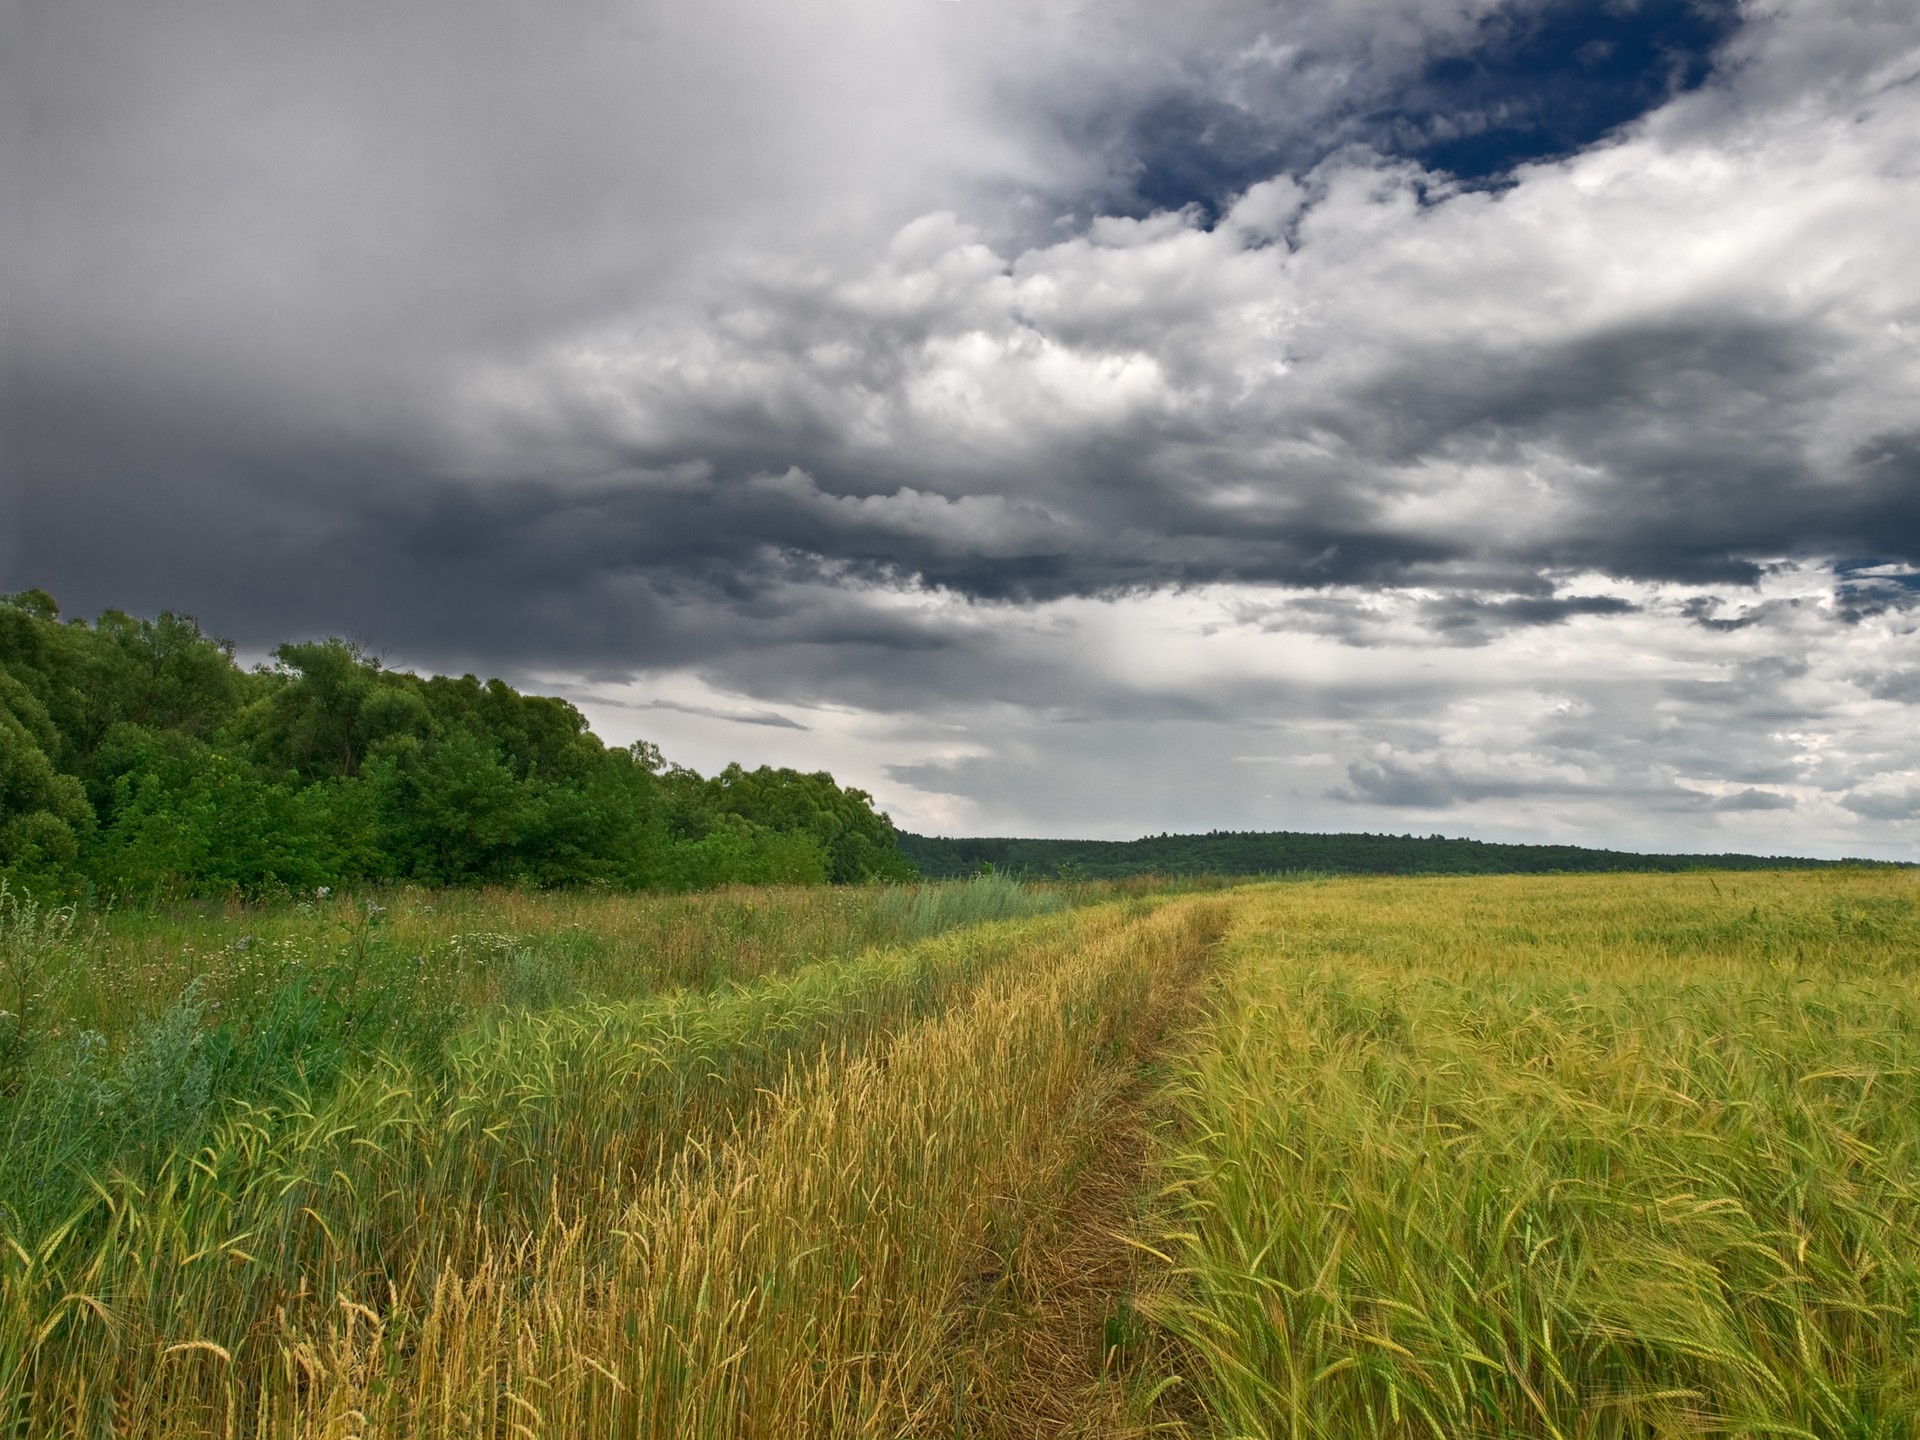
(1572, 1157)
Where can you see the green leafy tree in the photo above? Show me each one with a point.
(860, 843)
(735, 851)
(165, 674)
(454, 811)
(609, 829)
(44, 815)
(186, 817)
(326, 712)
(136, 754)
(539, 736)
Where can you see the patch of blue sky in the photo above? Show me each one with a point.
(1532, 82)
(1541, 82)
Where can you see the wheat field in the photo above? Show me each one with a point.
(1562, 1156)
(1575, 1157)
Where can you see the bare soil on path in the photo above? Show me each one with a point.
(1055, 1347)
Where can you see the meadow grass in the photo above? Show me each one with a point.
(1560, 1157)
(522, 1236)
(125, 1035)
(486, 947)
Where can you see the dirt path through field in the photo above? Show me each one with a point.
(1055, 1349)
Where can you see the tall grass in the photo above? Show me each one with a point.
(1581, 1157)
(510, 947)
(126, 1035)
(523, 1239)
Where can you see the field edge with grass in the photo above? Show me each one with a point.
(421, 1255)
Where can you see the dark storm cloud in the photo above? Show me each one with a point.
(768, 718)
(280, 401)
(1403, 787)
(1902, 685)
(1692, 440)
(1471, 620)
(1698, 424)
(1751, 799)
(1884, 804)
(1525, 389)
(1428, 783)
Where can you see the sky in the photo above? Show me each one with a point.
(1066, 417)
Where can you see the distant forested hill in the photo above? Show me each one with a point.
(1226, 852)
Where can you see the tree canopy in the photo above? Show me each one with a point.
(137, 756)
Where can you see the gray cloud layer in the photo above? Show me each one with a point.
(746, 363)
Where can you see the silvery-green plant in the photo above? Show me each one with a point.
(163, 1088)
(35, 945)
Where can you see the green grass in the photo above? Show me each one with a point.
(1594, 1157)
(487, 947)
(126, 1035)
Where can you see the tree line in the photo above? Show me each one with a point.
(137, 757)
(1278, 852)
